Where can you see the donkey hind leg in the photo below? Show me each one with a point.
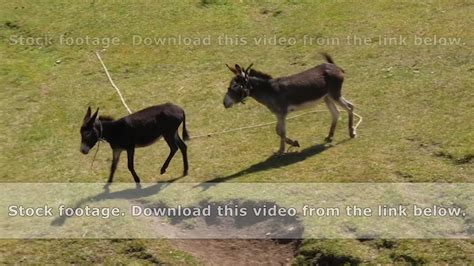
(349, 107)
(183, 148)
(130, 155)
(335, 116)
(115, 159)
(171, 141)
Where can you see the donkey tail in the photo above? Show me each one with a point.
(328, 59)
(185, 131)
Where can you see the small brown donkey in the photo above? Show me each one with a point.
(286, 94)
(139, 129)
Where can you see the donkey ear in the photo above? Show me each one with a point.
(232, 69)
(238, 69)
(248, 69)
(94, 116)
(88, 114)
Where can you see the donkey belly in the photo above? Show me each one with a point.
(144, 141)
(303, 105)
(147, 137)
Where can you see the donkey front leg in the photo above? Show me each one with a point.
(115, 159)
(281, 131)
(130, 155)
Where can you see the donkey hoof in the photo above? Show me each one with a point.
(163, 171)
(328, 139)
(107, 187)
(185, 173)
(278, 153)
(295, 143)
(352, 135)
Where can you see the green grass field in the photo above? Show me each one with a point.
(416, 100)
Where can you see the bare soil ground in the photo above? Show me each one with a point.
(240, 251)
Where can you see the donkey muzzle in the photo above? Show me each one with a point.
(84, 149)
(228, 102)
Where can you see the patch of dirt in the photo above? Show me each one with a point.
(240, 251)
(140, 252)
(406, 176)
(463, 160)
(11, 25)
(235, 226)
(232, 240)
(271, 11)
(435, 149)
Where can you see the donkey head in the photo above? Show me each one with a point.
(89, 134)
(239, 87)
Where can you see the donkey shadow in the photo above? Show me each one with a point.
(274, 162)
(129, 194)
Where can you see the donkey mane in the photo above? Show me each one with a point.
(106, 118)
(259, 74)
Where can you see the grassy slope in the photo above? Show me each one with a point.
(416, 100)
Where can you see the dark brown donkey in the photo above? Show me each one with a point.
(139, 129)
(286, 94)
